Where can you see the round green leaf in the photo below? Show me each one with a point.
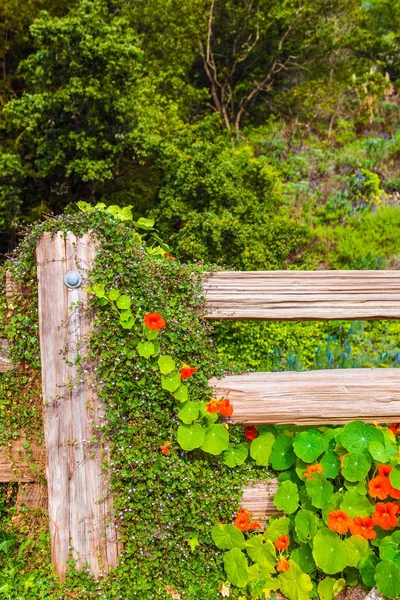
(304, 558)
(190, 436)
(355, 466)
(308, 445)
(356, 505)
(282, 455)
(236, 565)
(260, 448)
(358, 548)
(235, 455)
(319, 489)
(145, 349)
(114, 294)
(394, 477)
(170, 382)
(181, 393)
(275, 529)
(216, 439)
(287, 497)
(367, 568)
(227, 537)
(189, 412)
(261, 552)
(378, 452)
(387, 577)
(127, 322)
(306, 525)
(325, 588)
(389, 548)
(124, 302)
(166, 365)
(143, 223)
(357, 435)
(330, 552)
(331, 464)
(294, 584)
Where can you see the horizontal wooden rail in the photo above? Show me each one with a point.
(303, 295)
(314, 397)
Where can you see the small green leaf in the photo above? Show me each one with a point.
(127, 323)
(367, 568)
(181, 393)
(216, 439)
(166, 365)
(358, 549)
(262, 552)
(235, 455)
(287, 497)
(277, 528)
(150, 334)
(394, 477)
(189, 412)
(325, 588)
(294, 584)
(170, 382)
(306, 524)
(308, 445)
(236, 565)
(260, 448)
(114, 294)
(282, 454)
(303, 557)
(190, 436)
(356, 505)
(227, 537)
(145, 349)
(98, 290)
(357, 435)
(330, 552)
(193, 543)
(124, 302)
(378, 452)
(319, 489)
(355, 466)
(125, 315)
(331, 464)
(146, 224)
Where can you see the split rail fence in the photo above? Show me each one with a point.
(79, 502)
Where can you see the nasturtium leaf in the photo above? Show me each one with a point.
(355, 466)
(367, 568)
(300, 468)
(145, 349)
(260, 448)
(114, 294)
(358, 548)
(236, 565)
(227, 537)
(340, 584)
(389, 548)
(124, 302)
(127, 322)
(166, 365)
(253, 573)
(306, 524)
(387, 578)
(143, 223)
(319, 489)
(394, 477)
(193, 542)
(308, 445)
(331, 464)
(170, 382)
(6, 541)
(325, 588)
(294, 584)
(277, 528)
(190, 436)
(378, 452)
(98, 290)
(359, 486)
(287, 497)
(102, 301)
(156, 345)
(333, 504)
(189, 412)
(356, 505)
(304, 558)
(330, 552)
(234, 456)
(125, 315)
(328, 438)
(282, 454)
(261, 552)
(150, 334)
(181, 393)
(357, 435)
(216, 439)
(125, 214)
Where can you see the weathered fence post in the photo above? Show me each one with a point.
(80, 505)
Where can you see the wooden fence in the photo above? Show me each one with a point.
(80, 505)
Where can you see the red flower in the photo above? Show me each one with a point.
(168, 256)
(224, 408)
(312, 469)
(164, 447)
(250, 432)
(283, 564)
(379, 487)
(384, 470)
(363, 526)
(212, 407)
(282, 543)
(243, 520)
(339, 521)
(154, 321)
(395, 428)
(385, 514)
(187, 372)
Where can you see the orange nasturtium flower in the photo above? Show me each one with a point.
(385, 514)
(187, 372)
(379, 487)
(312, 469)
(212, 407)
(225, 408)
(243, 520)
(363, 526)
(164, 447)
(282, 543)
(385, 470)
(154, 321)
(283, 564)
(168, 256)
(395, 428)
(339, 521)
(250, 432)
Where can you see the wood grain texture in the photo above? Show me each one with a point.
(314, 397)
(302, 295)
(19, 463)
(5, 362)
(258, 499)
(80, 505)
